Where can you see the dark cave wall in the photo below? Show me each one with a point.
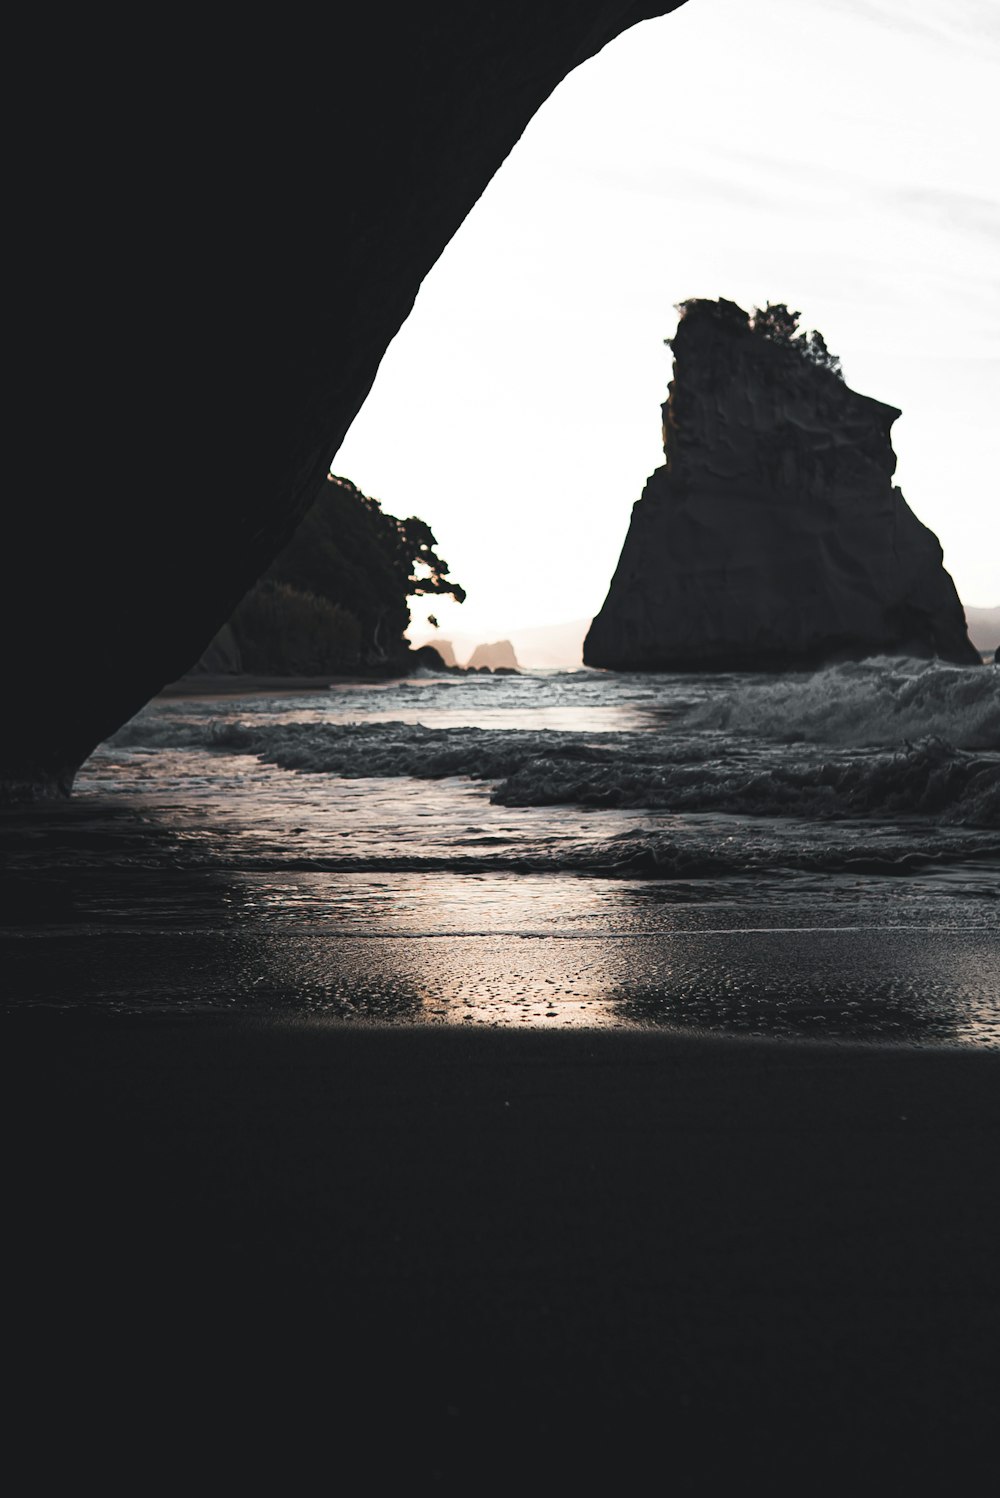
(223, 225)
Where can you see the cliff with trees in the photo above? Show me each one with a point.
(335, 600)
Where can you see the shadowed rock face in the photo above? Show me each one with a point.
(773, 537)
(222, 225)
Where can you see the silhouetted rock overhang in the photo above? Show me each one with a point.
(224, 225)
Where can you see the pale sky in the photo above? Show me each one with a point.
(839, 156)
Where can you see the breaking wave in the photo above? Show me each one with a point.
(679, 772)
(658, 854)
(873, 702)
(926, 779)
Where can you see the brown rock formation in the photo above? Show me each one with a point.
(220, 227)
(445, 650)
(773, 536)
(498, 656)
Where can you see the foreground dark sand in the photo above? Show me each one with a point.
(497, 1258)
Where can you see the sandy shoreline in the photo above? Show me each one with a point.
(444, 1243)
(205, 685)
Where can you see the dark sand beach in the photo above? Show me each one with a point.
(375, 1127)
(476, 1257)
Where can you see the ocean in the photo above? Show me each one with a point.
(812, 854)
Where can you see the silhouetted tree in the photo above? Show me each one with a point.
(349, 551)
(813, 347)
(776, 322)
(779, 324)
(283, 631)
(348, 572)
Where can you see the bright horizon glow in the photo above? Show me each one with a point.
(837, 158)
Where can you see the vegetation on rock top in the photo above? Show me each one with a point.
(776, 322)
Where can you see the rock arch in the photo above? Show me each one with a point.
(228, 226)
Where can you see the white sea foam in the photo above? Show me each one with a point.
(680, 772)
(878, 739)
(929, 778)
(872, 702)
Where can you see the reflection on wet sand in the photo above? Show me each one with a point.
(116, 909)
(884, 985)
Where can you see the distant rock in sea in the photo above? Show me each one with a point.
(773, 536)
(445, 650)
(496, 657)
(428, 658)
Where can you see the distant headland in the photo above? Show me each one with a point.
(334, 601)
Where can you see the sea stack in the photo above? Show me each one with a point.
(498, 656)
(773, 536)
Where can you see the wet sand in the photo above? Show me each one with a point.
(476, 1259)
(204, 684)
